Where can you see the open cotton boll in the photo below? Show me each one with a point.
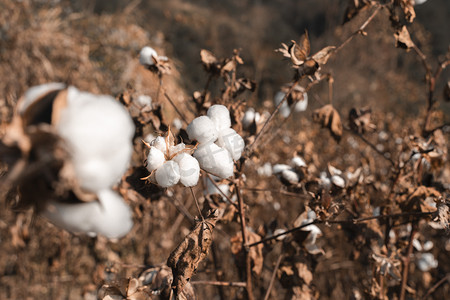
(160, 144)
(36, 92)
(248, 118)
(278, 168)
(168, 174)
(302, 105)
(189, 169)
(220, 115)
(338, 181)
(232, 141)
(144, 100)
(146, 54)
(290, 176)
(110, 216)
(202, 129)
(297, 162)
(285, 111)
(97, 130)
(176, 148)
(155, 159)
(215, 160)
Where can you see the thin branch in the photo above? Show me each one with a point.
(196, 204)
(274, 274)
(360, 29)
(220, 191)
(183, 117)
(263, 129)
(248, 267)
(220, 283)
(351, 221)
(368, 143)
(406, 261)
(439, 283)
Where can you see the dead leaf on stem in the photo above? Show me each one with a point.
(403, 39)
(359, 119)
(328, 117)
(185, 258)
(255, 252)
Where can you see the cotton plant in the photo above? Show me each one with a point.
(218, 143)
(170, 163)
(309, 243)
(96, 131)
(290, 174)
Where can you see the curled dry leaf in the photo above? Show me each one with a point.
(408, 9)
(403, 39)
(359, 120)
(323, 55)
(127, 288)
(255, 253)
(209, 61)
(328, 117)
(417, 201)
(185, 258)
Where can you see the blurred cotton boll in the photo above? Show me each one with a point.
(98, 132)
(109, 216)
(146, 56)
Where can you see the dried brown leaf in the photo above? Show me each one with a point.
(408, 10)
(323, 55)
(359, 120)
(185, 258)
(328, 117)
(255, 253)
(403, 39)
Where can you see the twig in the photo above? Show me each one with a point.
(220, 283)
(434, 287)
(220, 191)
(274, 274)
(176, 109)
(248, 267)
(351, 221)
(368, 143)
(259, 134)
(196, 203)
(406, 260)
(360, 29)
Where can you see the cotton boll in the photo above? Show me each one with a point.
(285, 111)
(278, 168)
(203, 130)
(249, 117)
(160, 144)
(265, 170)
(232, 141)
(97, 130)
(110, 216)
(155, 159)
(290, 176)
(177, 124)
(302, 105)
(324, 180)
(176, 149)
(215, 160)
(338, 181)
(146, 56)
(220, 115)
(189, 169)
(297, 162)
(36, 92)
(144, 100)
(426, 261)
(168, 174)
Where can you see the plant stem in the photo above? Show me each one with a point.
(274, 274)
(220, 283)
(406, 260)
(248, 267)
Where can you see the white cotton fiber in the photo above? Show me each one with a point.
(144, 100)
(215, 160)
(278, 168)
(176, 149)
(211, 189)
(232, 142)
(98, 131)
(338, 181)
(159, 143)
(290, 176)
(168, 174)
(202, 129)
(302, 105)
(220, 115)
(297, 162)
(155, 159)
(285, 111)
(146, 54)
(189, 169)
(109, 216)
(248, 118)
(35, 92)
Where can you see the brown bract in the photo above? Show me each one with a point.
(185, 258)
(328, 117)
